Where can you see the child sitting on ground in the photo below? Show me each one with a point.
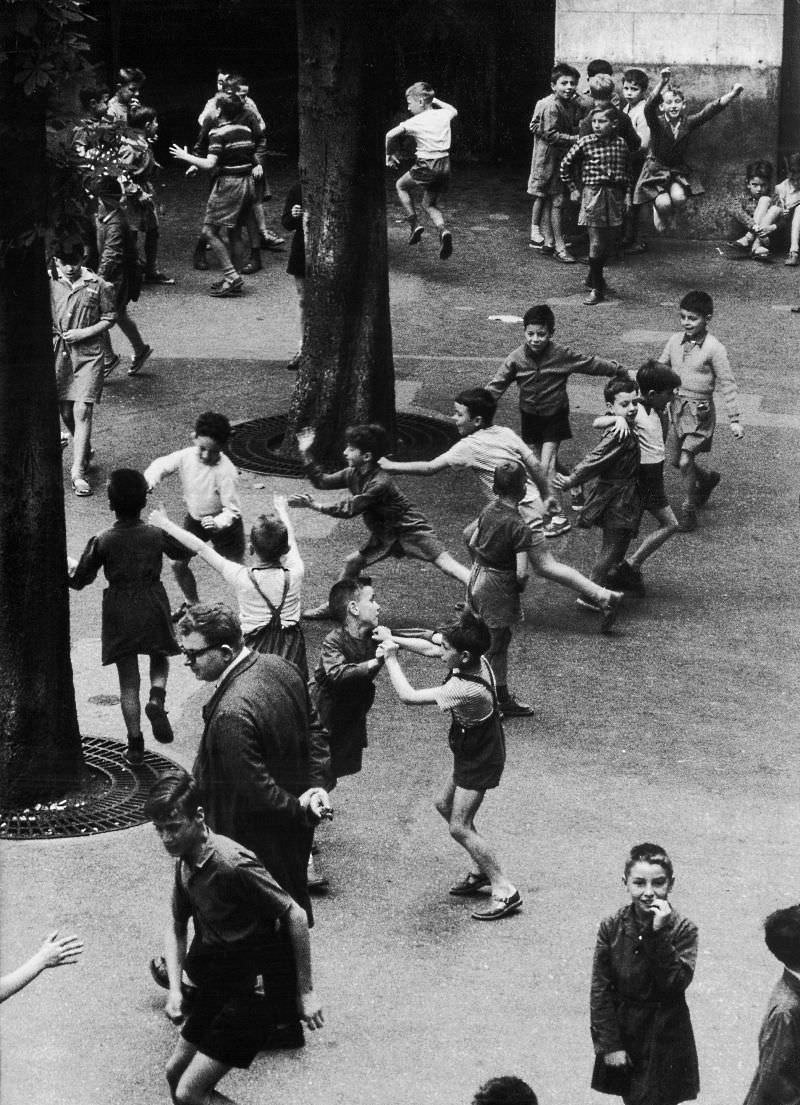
(666, 178)
(701, 361)
(657, 384)
(396, 527)
(554, 126)
(755, 214)
(208, 481)
(612, 501)
(777, 1079)
(136, 618)
(429, 125)
(268, 591)
(478, 744)
(787, 201)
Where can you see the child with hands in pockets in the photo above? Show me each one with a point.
(644, 961)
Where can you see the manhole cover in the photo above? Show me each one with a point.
(255, 445)
(112, 797)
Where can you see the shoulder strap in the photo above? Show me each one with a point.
(273, 609)
(487, 683)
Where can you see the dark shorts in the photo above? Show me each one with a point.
(226, 1020)
(479, 753)
(228, 542)
(419, 544)
(433, 175)
(538, 428)
(652, 495)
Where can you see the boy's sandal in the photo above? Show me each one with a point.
(81, 487)
(793, 260)
(564, 256)
(228, 289)
(500, 907)
(110, 365)
(471, 884)
(138, 361)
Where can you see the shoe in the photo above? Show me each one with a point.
(446, 248)
(158, 972)
(283, 1036)
(564, 256)
(134, 753)
(587, 604)
(593, 298)
(557, 525)
(294, 363)
(736, 251)
(471, 885)
(109, 366)
(625, 577)
(216, 284)
(250, 268)
(793, 260)
(688, 519)
(157, 716)
(179, 611)
(577, 499)
(138, 361)
(157, 278)
(535, 243)
(228, 289)
(500, 907)
(81, 487)
(548, 249)
(707, 484)
(415, 235)
(610, 610)
(760, 253)
(321, 613)
(510, 707)
(271, 241)
(634, 247)
(316, 882)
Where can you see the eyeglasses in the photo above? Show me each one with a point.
(191, 654)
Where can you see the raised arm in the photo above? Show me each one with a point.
(405, 692)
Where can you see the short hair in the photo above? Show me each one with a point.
(637, 77)
(469, 634)
(228, 106)
(421, 88)
(91, 95)
(782, 935)
(505, 1090)
(233, 80)
(618, 384)
(699, 303)
(649, 853)
(139, 117)
(369, 437)
(127, 492)
(607, 109)
(343, 592)
(601, 87)
(175, 790)
(216, 622)
(599, 65)
(655, 376)
(510, 478)
(69, 250)
(758, 168)
(129, 74)
(479, 402)
(540, 315)
(676, 90)
(269, 537)
(792, 164)
(562, 69)
(214, 425)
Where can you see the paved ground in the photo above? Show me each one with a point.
(681, 728)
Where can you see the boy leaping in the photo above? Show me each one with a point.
(429, 126)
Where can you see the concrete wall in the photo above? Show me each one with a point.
(709, 45)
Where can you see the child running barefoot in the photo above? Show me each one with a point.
(644, 961)
(268, 591)
(429, 125)
(136, 618)
(396, 527)
(477, 741)
(666, 178)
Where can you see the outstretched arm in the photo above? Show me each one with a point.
(414, 467)
(405, 692)
(56, 951)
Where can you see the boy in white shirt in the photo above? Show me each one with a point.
(429, 126)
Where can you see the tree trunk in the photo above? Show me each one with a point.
(346, 372)
(40, 745)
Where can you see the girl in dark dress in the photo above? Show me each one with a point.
(643, 963)
(136, 615)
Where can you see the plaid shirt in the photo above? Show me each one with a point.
(594, 160)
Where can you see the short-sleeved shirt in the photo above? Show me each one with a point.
(233, 146)
(470, 702)
(500, 535)
(484, 451)
(253, 610)
(431, 130)
(649, 430)
(207, 488)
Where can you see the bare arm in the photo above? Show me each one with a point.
(405, 692)
(414, 467)
(56, 951)
(174, 956)
(181, 153)
(296, 924)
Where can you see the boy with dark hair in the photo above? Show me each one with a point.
(701, 361)
(603, 94)
(129, 86)
(234, 904)
(777, 1079)
(554, 126)
(635, 83)
(397, 528)
(505, 1090)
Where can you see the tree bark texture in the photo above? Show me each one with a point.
(40, 745)
(346, 372)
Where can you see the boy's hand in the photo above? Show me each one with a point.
(386, 648)
(392, 160)
(317, 801)
(179, 152)
(665, 74)
(736, 430)
(192, 171)
(303, 500)
(158, 517)
(310, 1011)
(297, 211)
(173, 1007)
(305, 439)
(560, 482)
(258, 172)
(385, 464)
(620, 428)
(280, 502)
(59, 951)
(617, 1059)
(382, 633)
(737, 90)
(660, 910)
(71, 336)
(72, 564)
(209, 522)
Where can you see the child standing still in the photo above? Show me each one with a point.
(554, 126)
(478, 744)
(644, 961)
(136, 618)
(787, 202)
(777, 1079)
(429, 126)
(701, 361)
(209, 484)
(635, 83)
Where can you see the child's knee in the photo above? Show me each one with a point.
(458, 830)
(663, 202)
(686, 463)
(443, 808)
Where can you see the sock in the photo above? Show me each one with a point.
(502, 692)
(158, 694)
(593, 277)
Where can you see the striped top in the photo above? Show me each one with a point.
(233, 146)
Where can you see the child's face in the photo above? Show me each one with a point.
(793, 174)
(757, 186)
(208, 449)
(673, 105)
(451, 656)
(127, 93)
(355, 457)
(659, 400)
(71, 270)
(416, 103)
(180, 834)
(624, 405)
(565, 87)
(222, 82)
(647, 883)
(151, 130)
(537, 337)
(603, 126)
(632, 93)
(99, 107)
(366, 608)
(464, 422)
(694, 325)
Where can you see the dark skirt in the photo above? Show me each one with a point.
(136, 622)
(286, 641)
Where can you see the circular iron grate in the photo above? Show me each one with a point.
(112, 797)
(255, 444)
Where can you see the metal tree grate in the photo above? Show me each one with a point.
(111, 797)
(255, 444)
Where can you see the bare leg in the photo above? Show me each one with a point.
(547, 221)
(184, 577)
(668, 527)
(430, 202)
(220, 250)
(536, 219)
(463, 807)
(130, 330)
(81, 442)
(451, 567)
(688, 470)
(662, 211)
(546, 565)
(557, 223)
(403, 188)
(192, 1076)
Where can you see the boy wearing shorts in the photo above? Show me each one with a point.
(235, 905)
(429, 126)
(554, 126)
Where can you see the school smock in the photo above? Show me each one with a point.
(74, 306)
(638, 1005)
(554, 126)
(542, 377)
(343, 690)
(777, 1080)
(612, 500)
